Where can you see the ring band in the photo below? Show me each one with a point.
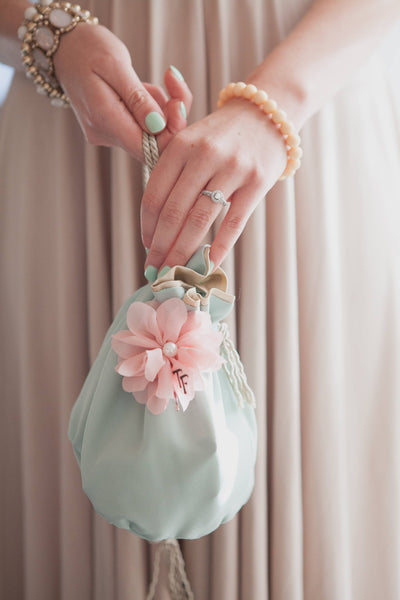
(216, 196)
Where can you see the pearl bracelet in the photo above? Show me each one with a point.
(277, 116)
(40, 32)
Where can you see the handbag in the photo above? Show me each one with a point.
(164, 428)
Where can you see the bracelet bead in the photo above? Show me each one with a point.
(277, 116)
(249, 91)
(260, 97)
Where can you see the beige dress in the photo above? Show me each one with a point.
(317, 272)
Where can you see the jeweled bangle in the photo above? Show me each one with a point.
(40, 32)
(277, 116)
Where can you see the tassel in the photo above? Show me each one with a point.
(234, 369)
(179, 586)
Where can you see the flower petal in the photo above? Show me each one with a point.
(171, 316)
(165, 386)
(200, 358)
(134, 384)
(124, 344)
(196, 320)
(157, 405)
(143, 396)
(154, 362)
(141, 320)
(132, 366)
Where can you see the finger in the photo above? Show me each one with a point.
(243, 202)
(174, 213)
(177, 87)
(158, 94)
(176, 114)
(109, 120)
(198, 223)
(139, 102)
(162, 180)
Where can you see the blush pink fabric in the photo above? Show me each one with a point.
(147, 371)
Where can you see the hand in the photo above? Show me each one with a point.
(109, 100)
(235, 149)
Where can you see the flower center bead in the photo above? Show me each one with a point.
(170, 349)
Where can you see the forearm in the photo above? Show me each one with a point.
(322, 51)
(11, 17)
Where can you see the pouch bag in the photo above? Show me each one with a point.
(164, 428)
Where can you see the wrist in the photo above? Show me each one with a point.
(281, 82)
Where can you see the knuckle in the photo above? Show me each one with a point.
(234, 224)
(256, 175)
(105, 61)
(136, 98)
(200, 219)
(234, 162)
(209, 145)
(150, 204)
(172, 214)
(181, 142)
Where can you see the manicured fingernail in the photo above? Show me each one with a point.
(147, 251)
(164, 270)
(151, 273)
(183, 110)
(211, 266)
(177, 73)
(154, 122)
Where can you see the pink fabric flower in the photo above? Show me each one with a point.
(164, 352)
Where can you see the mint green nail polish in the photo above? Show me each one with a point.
(147, 251)
(177, 73)
(183, 110)
(164, 270)
(151, 273)
(154, 122)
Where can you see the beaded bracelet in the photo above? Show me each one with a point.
(40, 32)
(277, 116)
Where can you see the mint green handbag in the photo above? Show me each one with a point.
(164, 428)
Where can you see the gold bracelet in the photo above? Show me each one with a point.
(40, 32)
(277, 116)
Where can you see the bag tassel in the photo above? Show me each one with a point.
(234, 369)
(179, 586)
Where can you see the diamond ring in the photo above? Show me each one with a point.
(217, 196)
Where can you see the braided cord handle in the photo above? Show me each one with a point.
(151, 155)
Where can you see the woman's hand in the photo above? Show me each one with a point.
(110, 102)
(235, 149)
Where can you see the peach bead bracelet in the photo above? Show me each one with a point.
(277, 116)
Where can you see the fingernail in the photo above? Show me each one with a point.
(177, 73)
(154, 122)
(164, 270)
(147, 251)
(210, 270)
(151, 273)
(183, 110)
